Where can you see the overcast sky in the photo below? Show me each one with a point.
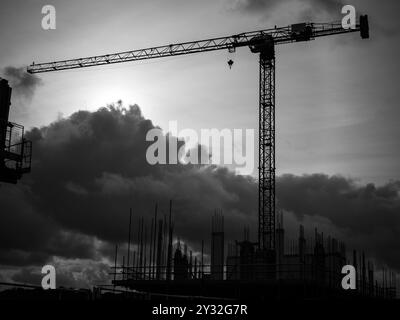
(337, 97)
(337, 113)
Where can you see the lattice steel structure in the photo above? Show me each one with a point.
(266, 172)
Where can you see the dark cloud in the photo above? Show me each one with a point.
(69, 273)
(369, 215)
(90, 168)
(30, 275)
(30, 236)
(22, 83)
(95, 164)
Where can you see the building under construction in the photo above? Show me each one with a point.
(305, 268)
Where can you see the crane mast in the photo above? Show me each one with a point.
(262, 42)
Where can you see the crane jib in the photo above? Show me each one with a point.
(289, 34)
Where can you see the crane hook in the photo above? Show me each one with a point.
(230, 63)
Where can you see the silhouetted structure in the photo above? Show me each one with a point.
(181, 265)
(305, 268)
(217, 247)
(15, 150)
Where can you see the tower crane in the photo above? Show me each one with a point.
(263, 43)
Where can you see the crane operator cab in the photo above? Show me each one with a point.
(263, 44)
